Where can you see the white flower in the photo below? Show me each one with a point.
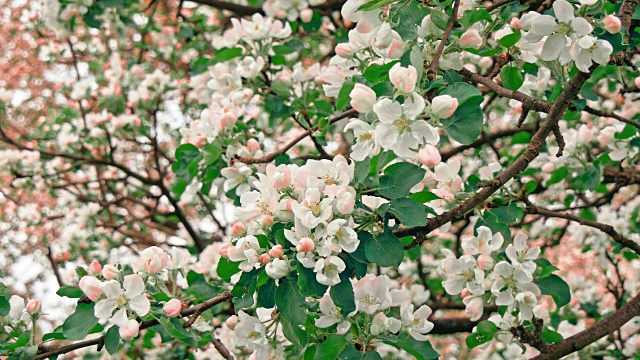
(278, 268)
(246, 251)
(416, 323)
(526, 302)
(328, 270)
(179, 259)
(132, 298)
(250, 332)
(545, 25)
(236, 178)
(381, 323)
(511, 279)
(443, 106)
(343, 233)
(484, 243)
(365, 142)
(589, 49)
(462, 273)
(331, 315)
(312, 211)
(399, 130)
(372, 293)
(521, 255)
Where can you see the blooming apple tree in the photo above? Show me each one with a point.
(319, 179)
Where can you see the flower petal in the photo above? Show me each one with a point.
(140, 304)
(133, 285)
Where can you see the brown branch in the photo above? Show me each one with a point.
(452, 22)
(608, 229)
(284, 149)
(242, 10)
(447, 154)
(54, 266)
(527, 101)
(532, 151)
(143, 325)
(611, 115)
(592, 334)
(498, 4)
(222, 350)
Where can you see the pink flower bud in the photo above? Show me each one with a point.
(238, 229)
(224, 250)
(232, 321)
(306, 15)
(172, 307)
(344, 50)
(429, 156)
(404, 79)
(612, 24)
(33, 307)
(636, 82)
(110, 272)
(129, 330)
(515, 23)
(443, 106)
(384, 36)
(305, 245)
(90, 286)
(547, 168)
(395, 50)
(276, 251)
(266, 221)
(264, 258)
(471, 39)
(95, 267)
(465, 293)
(485, 262)
(153, 259)
(253, 146)
(362, 98)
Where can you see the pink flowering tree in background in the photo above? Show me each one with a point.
(319, 179)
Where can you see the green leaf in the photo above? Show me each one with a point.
(22, 340)
(309, 285)
(556, 287)
(588, 180)
(484, 333)
(175, 328)
(331, 348)
(70, 292)
(558, 175)
(79, 324)
(510, 40)
(463, 92)
(465, 125)
(424, 196)
(407, 18)
(112, 340)
(343, 296)
(398, 179)
(225, 54)
(294, 333)
(5, 307)
(375, 73)
(344, 97)
(267, 294)
(421, 350)
(212, 152)
(385, 249)
(199, 286)
(409, 212)
(227, 268)
(511, 77)
(550, 337)
(290, 302)
(374, 4)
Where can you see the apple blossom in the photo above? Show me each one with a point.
(362, 98)
(403, 78)
(443, 106)
(172, 307)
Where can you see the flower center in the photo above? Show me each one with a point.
(402, 124)
(365, 137)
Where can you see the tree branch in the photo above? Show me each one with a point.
(608, 229)
(198, 309)
(242, 10)
(434, 63)
(284, 149)
(592, 334)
